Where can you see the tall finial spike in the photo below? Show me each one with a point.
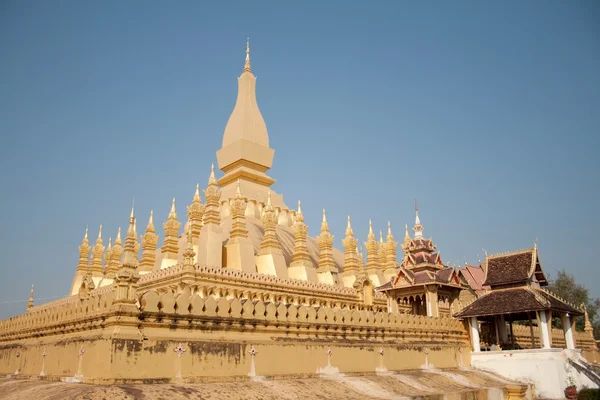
(247, 64)
(197, 194)
(173, 212)
(86, 233)
(269, 199)
(324, 216)
(349, 230)
(212, 180)
(299, 208)
(370, 228)
(389, 228)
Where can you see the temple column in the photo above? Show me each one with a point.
(502, 329)
(567, 328)
(475, 334)
(544, 333)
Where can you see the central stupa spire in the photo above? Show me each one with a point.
(245, 154)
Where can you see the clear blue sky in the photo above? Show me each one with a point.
(487, 112)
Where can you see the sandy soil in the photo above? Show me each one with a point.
(397, 386)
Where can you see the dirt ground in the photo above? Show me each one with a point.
(395, 386)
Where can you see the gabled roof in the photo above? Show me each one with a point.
(513, 268)
(474, 276)
(515, 301)
(407, 278)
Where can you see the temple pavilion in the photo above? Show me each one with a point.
(516, 294)
(423, 285)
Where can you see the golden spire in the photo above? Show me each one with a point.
(112, 266)
(212, 194)
(212, 180)
(238, 215)
(171, 227)
(325, 242)
(270, 241)
(300, 229)
(30, 302)
(324, 224)
(108, 255)
(173, 212)
(390, 249)
(247, 63)
(349, 231)
(299, 215)
(129, 257)
(84, 251)
(189, 254)
(381, 251)
(97, 253)
(196, 213)
(149, 241)
(371, 245)
(351, 262)
(136, 248)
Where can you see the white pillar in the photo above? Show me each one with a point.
(475, 334)
(545, 335)
(566, 322)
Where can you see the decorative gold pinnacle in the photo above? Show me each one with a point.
(115, 259)
(351, 262)
(300, 232)
(127, 275)
(30, 302)
(196, 213)
(390, 249)
(136, 246)
(171, 227)
(212, 194)
(238, 215)
(97, 253)
(130, 259)
(325, 242)
(381, 251)
(149, 242)
(247, 63)
(371, 245)
(84, 252)
(108, 255)
(189, 254)
(269, 220)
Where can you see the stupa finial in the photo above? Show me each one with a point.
(197, 194)
(150, 226)
(212, 180)
(247, 63)
(30, 302)
(349, 231)
(173, 212)
(324, 224)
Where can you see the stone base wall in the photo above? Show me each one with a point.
(108, 361)
(215, 336)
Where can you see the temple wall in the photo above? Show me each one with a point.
(217, 334)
